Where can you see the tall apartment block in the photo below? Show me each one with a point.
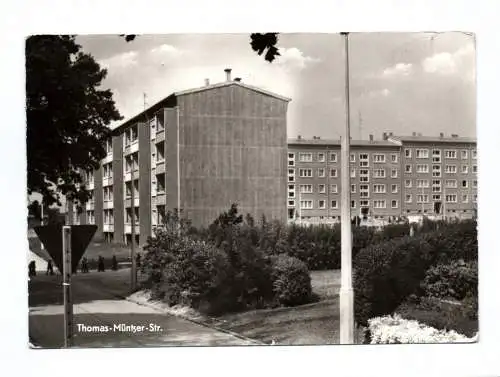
(199, 150)
(390, 178)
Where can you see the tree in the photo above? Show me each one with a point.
(259, 42)
(67, 117)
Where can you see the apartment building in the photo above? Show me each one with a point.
(390, 178)
(199, 150)
(314, 183)
(439, 175)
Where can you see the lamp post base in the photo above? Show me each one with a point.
(346, 296)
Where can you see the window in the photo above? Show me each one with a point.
(407, 183)
(109, 146)
(436, 185)
(364, 175)
(451, 198)
(474, 169)
(353, 172)
(334, 189)
(422, 153)
(407, 168)
(130, 135)
(364, 191)
(451, 169)
(379, 204)
(394, 204)
(474, 183)
(436, 171)
(306, 204)
(160, 123)
(334, 204)
(291, 156)
(321, 172)
(436, 198)
(408, 198)
(160, 152)
(407, 152)
(305, 157)
(321, 189)
(321, 204)
(436, 156)
(333, 157)
(291, 191)
(128, 189)
(394, 173)
(305, 173)
(423, 198)
(451, 183)
(353, 157)
(291, 171)
(422, 183)
(108, 216)
(464, 154)
(363, 160)
(353, 204)
(422, 169)
(333, 173)
(321, 157)
(465, 169)
(379, 173)
(474, 154)
(465, 183)
(160, 183)
(90, 217)
(394, 189)
(450, 153)
(465, 198)
(475, 198)
(379, 158)
(353, 189)
(291, 203)
(306, 189)
(379, 189)
(107, 170)
(108, 193)
(394, 158)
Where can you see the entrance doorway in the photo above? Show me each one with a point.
(291, 213)
(364, 213)
(437, 208)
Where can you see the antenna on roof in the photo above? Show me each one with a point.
(145, 101)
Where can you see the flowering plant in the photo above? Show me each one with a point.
(395, 329)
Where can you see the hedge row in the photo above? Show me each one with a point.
(387, 273)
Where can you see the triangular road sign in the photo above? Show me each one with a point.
(51, 237)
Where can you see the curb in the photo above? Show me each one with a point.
(197, 322)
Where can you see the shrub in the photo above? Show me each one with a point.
(386, 273)
(454, 280)
(394, 329)
(461, 317)
(291, 281)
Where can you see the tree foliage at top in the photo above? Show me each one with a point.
(260, 43)
(67, 117)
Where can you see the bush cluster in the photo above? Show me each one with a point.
(451, 281)
(223, 268)
(388, 272)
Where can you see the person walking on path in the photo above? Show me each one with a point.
(50, 268)
(114, 263)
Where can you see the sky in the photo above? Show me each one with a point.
(399, 82)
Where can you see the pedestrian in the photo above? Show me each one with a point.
(32, 268)
(50, 268)
(138, 260)
(100, 264)
(84, 266)
(114, 263)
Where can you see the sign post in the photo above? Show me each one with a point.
(67, 270)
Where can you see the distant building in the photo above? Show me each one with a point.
(390, 178)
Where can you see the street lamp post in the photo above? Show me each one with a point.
(346, 292)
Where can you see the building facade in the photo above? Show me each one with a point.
(198, 150)
(390, 178)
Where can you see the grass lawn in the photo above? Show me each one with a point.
(316, 323)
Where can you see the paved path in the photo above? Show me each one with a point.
(103, 320)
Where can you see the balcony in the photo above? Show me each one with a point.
(128, 228)
(128, 201)
(107, 204)
(131, 148)
(108, 228)
(89, 205)
(107, 181)
(160, 136)
(160, 167)
(128, 175)
(161, 198)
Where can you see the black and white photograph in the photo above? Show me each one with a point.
(251, 189)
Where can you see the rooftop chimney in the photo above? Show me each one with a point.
(454, 135)
(419, 134)
(207, 82)
(237, 79)
(390, 133)
(371, 138)
(384, 136)
(414, 134)
(299, 137)
(441, 135)
(228, 74)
